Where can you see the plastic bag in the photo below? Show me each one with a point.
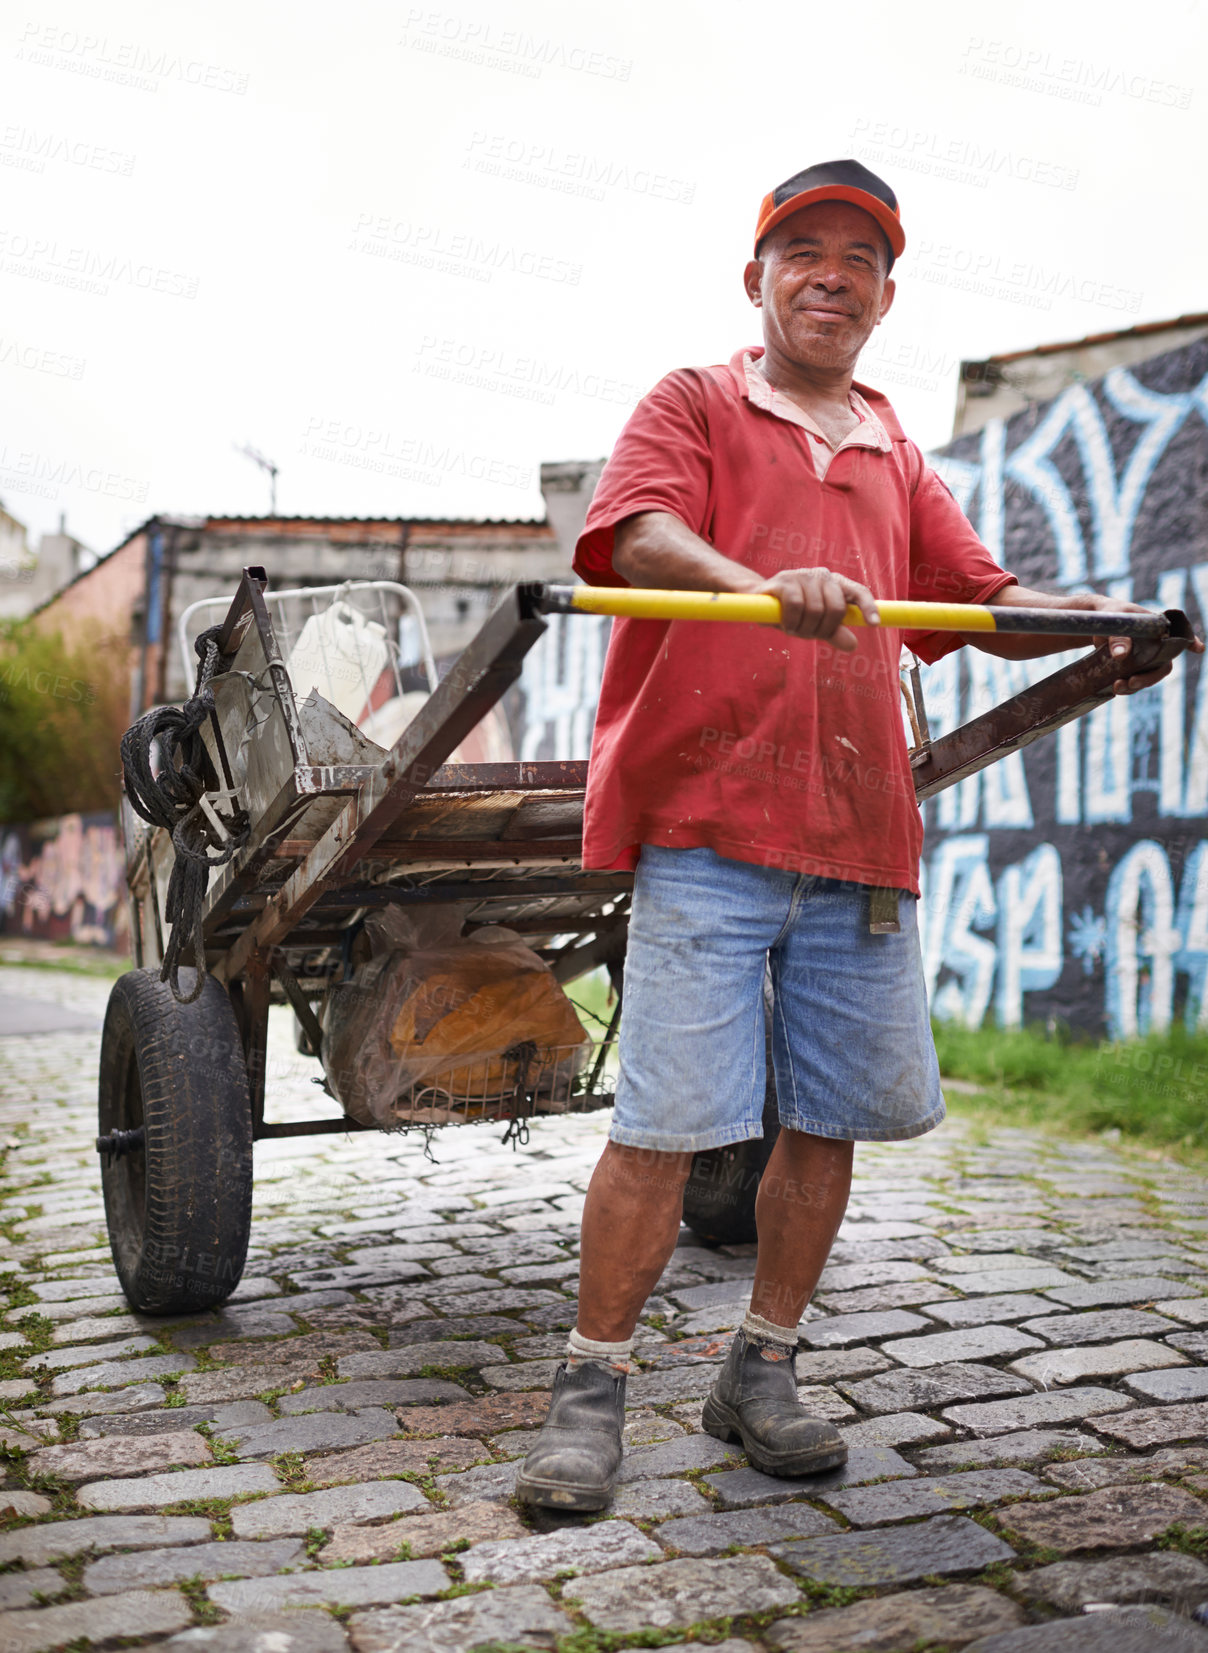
(342, 654)
(488, 742)
(387, 723)
(448, 1028)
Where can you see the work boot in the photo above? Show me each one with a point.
(573, 1464)
(755, 1401)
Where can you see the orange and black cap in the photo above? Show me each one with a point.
(834, 181)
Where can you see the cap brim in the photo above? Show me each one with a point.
(888, 220)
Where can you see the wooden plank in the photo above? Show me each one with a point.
(455, 815)
(556, 774)
(547, 816)
(554, 925)
(481, 818)
(467, 852)
(572, 885)
(563, 773)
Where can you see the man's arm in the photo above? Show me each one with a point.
(1023, 647)
(656, 550)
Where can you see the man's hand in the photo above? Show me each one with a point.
(1122, 646)
(813, 602)
(1020, 647)
(655, 549)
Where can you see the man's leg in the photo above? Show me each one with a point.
(631, 1222)
(854, 1061)
(800, 1205)
(691, 1077)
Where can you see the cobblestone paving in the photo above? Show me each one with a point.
(1012, 1334)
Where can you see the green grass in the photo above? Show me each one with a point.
(194, 1591)
(1149, 1090)
(38, 1333)
(18, 1293)
(450, 1374)
(592, 997)
(223, 1452)
(75, 963)
(291, 1471)
(1190, 1540)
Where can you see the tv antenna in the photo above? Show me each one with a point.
(257, 458)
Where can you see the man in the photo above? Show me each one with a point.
(758, 781)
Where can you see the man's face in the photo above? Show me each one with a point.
(821, 283)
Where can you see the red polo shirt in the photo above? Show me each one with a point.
(757, 745)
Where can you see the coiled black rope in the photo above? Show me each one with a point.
(172, 800)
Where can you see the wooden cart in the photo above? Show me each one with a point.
(335, 828)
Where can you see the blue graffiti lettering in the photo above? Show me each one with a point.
(1192, 924)
(1142, 943)
(1029, 931)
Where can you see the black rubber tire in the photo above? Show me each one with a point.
(180, 1208)
(719, 1197)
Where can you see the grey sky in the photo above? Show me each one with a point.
(411, 252)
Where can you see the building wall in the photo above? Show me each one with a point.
(1070, 882)
(107, 599)
(62, 880)
(456, 569)
(1005, 385)
(27, 581)
(60, 558)
(567, 486)
(17, 568)
(554, 707)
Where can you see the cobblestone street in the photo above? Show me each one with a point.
(1012, 1334)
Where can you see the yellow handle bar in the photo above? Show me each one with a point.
(639, 603)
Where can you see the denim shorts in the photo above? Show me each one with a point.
(851, 1038)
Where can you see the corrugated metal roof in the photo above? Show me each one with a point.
(1197, 318)
(167, 520)
(382, 522)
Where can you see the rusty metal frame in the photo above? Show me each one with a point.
(1068, 694)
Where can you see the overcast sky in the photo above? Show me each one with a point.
(410, 253)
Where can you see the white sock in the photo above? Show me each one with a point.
(580, 1349)
(765, 1332)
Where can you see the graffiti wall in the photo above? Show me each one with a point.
(1070, 882)
(61, 880)
(553, 713)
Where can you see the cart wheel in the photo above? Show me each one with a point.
(719, 1197)
(176, 1144)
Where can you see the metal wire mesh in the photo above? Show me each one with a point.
(408, 666)
(526, 1081)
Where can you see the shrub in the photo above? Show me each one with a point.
(1152, 1090)
(63, 710)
